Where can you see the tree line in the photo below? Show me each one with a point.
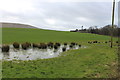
(106, 30)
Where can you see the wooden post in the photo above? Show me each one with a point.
(113, 14)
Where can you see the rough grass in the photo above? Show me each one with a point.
(95, 61)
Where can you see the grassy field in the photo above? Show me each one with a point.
(96, 61)
(11, 35)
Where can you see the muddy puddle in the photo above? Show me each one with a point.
(34, 53)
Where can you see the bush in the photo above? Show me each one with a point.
(43, 46)
(16, 45)
(65, 43)
(79, 45)
(71, 46)
(95, 41)
(50, 44)
(57, 44)
(24, 46)
(63, 49)
(28, 44)
(5, 48)
(73, 43)
(34, 45)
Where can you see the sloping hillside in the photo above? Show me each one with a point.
(10, 35)
(15, 25)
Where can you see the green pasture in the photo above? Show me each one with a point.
(96, 61)
(10, 35)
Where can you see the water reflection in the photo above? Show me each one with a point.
(34, 53)
(6, 54)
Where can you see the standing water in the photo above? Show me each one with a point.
(34, 53)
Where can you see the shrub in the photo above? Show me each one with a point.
(106, 42)
(34, 45)
(58, 44)
(79, 45)
(89, 42)
(5, 48)
(55, 46)
(50, 44)
(63, 49)
(73, 43)
(28, 44)
(24, 46)
(95, 41)
(43, 46)
(65, 43)
(71, 46)
(16, 45)
(116, 41)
